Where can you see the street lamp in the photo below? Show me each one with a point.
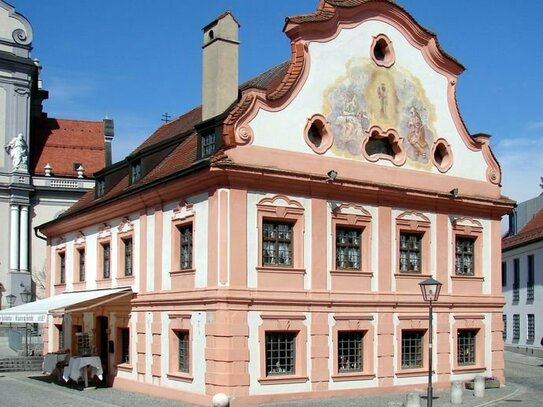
(11, 299)
(430, 289)
(26, 296)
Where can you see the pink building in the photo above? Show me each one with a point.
(270, 244)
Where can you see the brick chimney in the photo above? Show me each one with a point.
(220, 65)
(108, 138)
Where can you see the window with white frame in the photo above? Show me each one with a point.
(464, 262)
(530, 322)
(466, 341)
(516, 327)
(277, 243)
(504, 320)
(348, 248)
(280, 353)
(412, 349)
(516, 280)
(350, 351)
(106, 260)
(530, 280)
(410, 252)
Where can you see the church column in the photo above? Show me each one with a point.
(23, 243)
(14, 239)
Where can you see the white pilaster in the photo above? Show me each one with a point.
(14, 238)
(23, 242)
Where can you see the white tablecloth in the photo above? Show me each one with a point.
(50, 361)
(82, 368)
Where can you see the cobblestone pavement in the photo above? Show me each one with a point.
(524, 388)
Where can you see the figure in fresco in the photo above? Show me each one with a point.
(417, 134)
(382, 93)
(18, 152)
(351, 122)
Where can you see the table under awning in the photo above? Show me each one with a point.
(37, 311)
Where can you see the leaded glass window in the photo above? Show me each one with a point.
(464, 256)
(348, 248)
(106, 260)
(277, 244)
(127, 256)
(410, 253)
(185, 234)
(183, 351)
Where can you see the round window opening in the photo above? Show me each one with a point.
(314, 134)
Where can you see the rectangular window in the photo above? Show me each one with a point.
(350, 351)
(277, 244)
(127, 256)
(412, 349)
(504, 333)
(465, 355)
(62, 267)
(185, 234)
(530, 279)
(208, 144)
(125, 345)
(348, 255)
(504, 274)
(464, 263)
(183, 351)
(106, 260)
(410, 253)
(81, 253)
(516, 280)
(100, 187)
(135, 172)
(530, 334)
(516, 327)
(280, 353)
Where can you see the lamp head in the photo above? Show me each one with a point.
(430, 289)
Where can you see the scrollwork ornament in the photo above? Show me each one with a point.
(20, 37)
(244, 135)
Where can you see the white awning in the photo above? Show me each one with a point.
(37, 311)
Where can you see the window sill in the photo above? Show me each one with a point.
(468, 369)
(283, 379)
(179, 376)
(280, 269)
(411, 275)
(182, 271)
(470, 278)
(126, 278)
(344, 377)
(125, 367)
(421, 371)
(351, 272)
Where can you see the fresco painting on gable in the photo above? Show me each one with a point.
(391, 98)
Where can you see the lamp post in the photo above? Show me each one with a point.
(430, 289)
(26, 296)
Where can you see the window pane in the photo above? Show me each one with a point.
(464, 256)
(280, 353)
(125, 345)
(350, 352)
(81, 264)
(127, 257)
(277, 244)
(466, 347)
(106, 264)
(185, 233)
(183, 351)
(410, 253)
(412, 349)
(348, 248)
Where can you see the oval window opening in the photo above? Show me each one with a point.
(380, 50)
(379, 146)
(315, 135)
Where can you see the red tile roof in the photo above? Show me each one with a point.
(61, 143)
(531, 232)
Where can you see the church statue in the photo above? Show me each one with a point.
(18, 151)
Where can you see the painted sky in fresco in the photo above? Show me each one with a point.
(136, 60)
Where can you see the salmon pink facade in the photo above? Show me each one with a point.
(274, 239)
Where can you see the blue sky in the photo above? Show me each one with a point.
(136, 60)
